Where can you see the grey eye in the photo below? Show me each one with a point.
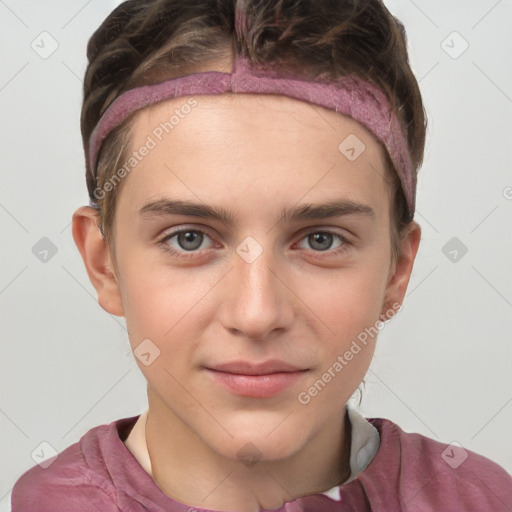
(321, 241)
(190, 240)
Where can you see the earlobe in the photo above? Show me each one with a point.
(97, 259)
(398, 281)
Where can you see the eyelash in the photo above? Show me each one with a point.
(191, 254)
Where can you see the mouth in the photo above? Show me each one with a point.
(256, 380)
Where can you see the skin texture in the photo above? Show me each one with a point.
(253, 156)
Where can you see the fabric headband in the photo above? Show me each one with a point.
(361, 100)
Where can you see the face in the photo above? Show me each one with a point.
(245, 237)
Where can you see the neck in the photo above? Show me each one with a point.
(189, 471)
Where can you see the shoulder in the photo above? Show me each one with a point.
(444, 476)
(74, 480)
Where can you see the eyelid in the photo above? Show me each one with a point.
(344, 245)
(341, 232)
(185, 227)
(168, 235)
(163, 242)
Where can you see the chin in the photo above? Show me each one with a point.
(250, 450)
(270, 438)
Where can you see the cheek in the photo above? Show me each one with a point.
(348, 308)
(160, 302)
(164, 316)
(348, 304)
(346, 300)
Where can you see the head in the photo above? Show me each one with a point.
(254, 275)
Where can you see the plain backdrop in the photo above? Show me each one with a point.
(442, 366)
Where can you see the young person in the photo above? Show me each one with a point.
(252, 169)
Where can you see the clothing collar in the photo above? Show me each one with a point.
(365, 442)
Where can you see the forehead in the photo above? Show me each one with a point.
(227, 145)
(272, 111)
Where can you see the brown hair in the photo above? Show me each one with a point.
(147, 41)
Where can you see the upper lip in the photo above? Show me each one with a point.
(251, 368)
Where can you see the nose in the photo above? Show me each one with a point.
(258, 298)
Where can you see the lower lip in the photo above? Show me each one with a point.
(257, 386)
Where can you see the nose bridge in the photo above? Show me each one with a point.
(258, 301)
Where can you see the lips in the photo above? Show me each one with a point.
(256, 380)
(264, 368)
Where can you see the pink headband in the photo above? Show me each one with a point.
(348, 95)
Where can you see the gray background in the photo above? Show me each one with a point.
(442, 366)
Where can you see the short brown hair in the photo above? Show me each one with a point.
(148, 41)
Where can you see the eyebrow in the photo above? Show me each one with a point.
(309, 211)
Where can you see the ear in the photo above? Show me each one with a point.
(97, 259)
(400, 272)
